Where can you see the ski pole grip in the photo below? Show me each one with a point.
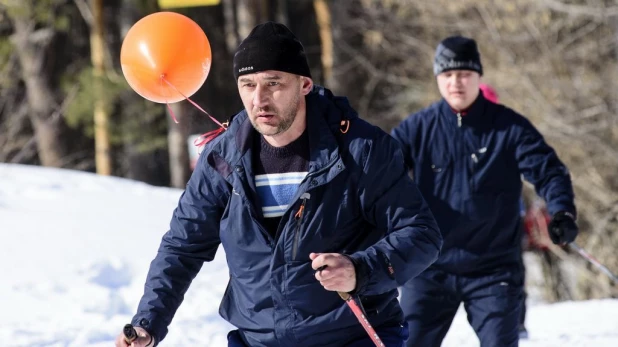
(130, 334)
(345, 296)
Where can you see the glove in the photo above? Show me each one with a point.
(562, 228)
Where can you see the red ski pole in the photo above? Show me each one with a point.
(362, 319)
(593, 261)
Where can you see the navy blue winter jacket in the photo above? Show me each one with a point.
(358, 201)
(468, 168)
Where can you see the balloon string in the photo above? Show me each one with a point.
(169, 108)
(192, 102)
(167, 103)
(206, 137)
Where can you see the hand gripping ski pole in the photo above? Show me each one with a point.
(349, 299)
(593, 261)
(130, 334)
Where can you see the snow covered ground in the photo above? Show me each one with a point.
(75, 248)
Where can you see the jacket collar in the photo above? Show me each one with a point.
(324, 114)
(323, 147)
(475, 116)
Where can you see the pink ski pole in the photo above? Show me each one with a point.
(362, 319)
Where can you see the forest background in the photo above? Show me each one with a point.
(65, 103)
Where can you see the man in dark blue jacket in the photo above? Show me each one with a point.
(467, 156)
(308, 200)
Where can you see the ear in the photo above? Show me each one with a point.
(306, 85)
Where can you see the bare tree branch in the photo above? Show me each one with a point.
(25, 149)
(414, 42)
(581, 10)
(570, 39)
(489, 22)
(368, 65)
(85, 11)
(65, 103)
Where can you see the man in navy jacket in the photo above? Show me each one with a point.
(307, 200)
(467, 156)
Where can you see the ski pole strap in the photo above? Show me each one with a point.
(593, 261)
(349, 299)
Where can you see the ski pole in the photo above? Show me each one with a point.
(361, 318)
(593, 261)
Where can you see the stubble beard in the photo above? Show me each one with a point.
(286, 121)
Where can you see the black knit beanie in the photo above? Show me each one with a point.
(457, 53)
(270, 46)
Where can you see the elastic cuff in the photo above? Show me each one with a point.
(146, 324)
(554, 209)
(566, 213)
(362, 276)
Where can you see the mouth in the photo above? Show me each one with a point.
(264, 117)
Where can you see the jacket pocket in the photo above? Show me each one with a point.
(299, 224)
(439, 164)
(491, 173)
(437, 174)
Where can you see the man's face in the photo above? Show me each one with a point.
(459, 87)
(273, 99)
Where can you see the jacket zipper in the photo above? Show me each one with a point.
(475, 161)
(298, 216)
(460, 164)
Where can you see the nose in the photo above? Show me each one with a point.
(455, 80)
(259, 97)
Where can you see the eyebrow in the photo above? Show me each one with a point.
(267, 77)
(273, 77)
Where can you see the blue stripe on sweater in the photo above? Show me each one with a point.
(276, 191)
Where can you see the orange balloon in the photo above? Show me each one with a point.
(164, 56)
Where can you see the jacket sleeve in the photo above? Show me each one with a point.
(193, 239)
(404, 134)
(540, 165)
(392, 203)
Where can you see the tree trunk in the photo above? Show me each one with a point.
(614, 101)
(348, 84)
(232, 38)
(322, 13)
(17, 142)
(32, 48)
(177, 146)
(556, 286)
(245, 20)
(101, 118)
(249, 13)
(303, 23)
